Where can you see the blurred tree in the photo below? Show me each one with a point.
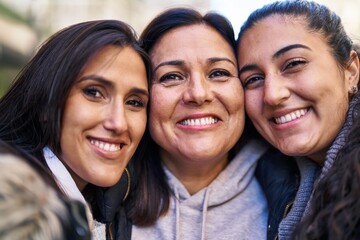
(11, 60)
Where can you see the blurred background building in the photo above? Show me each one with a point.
(24, 24)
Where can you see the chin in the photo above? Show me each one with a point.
(202, 158)
(295, 152)
(108, 183)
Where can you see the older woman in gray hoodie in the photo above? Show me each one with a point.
(198, 179)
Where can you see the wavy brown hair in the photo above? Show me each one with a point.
(335, 206)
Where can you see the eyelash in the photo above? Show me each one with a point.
(288, 66)
(171, 77)
(251, 80)
(220, 73)
(95, 93)
(293, 63)
(92, 92)
(136, 103)
(179, 77)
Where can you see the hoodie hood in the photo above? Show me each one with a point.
(233, 203)
(228, 184)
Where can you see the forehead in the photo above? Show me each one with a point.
(277, 31)
(118, 65)
(187, 39)
(279, 25)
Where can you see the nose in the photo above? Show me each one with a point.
(115, 118)
(197, 90)
(276, 90)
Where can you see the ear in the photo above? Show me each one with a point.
(352, 72)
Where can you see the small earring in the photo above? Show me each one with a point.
(354, 89)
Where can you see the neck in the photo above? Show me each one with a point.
(319, 157)
(195, 175)
(80, 183)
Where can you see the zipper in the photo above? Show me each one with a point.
(110, 231)
(286, 212)
(287, 209)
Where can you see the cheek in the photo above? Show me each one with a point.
(234, 96)
(78, 113)
(162, 103)
(157, 120)
(157, 110)
(252, 105)
(71, 119)
(138, 125)
(74, 122)
(155, 107)
(70, 147)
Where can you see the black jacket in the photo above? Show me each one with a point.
(279, 178)
(106, 209)
(277, 174)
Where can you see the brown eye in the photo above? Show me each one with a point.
(253, 81)
(294, 63)
(171, 77)
(136, 103)
(92, 92)
(219, 73)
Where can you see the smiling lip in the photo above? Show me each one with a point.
(289, 117)
(202, 121)
(199, 121)
(107, 149)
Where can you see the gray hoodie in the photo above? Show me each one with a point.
(233, 206)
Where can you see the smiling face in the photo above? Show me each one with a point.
(104, 117)
(296, 94)
(197, 105)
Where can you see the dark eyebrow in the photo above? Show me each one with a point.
(95, 78)
(288, 48)
(216, 59)
(248, 68)
(182, 63)
(140, 91)
(108, 83)
(275, 56)
(171, 63)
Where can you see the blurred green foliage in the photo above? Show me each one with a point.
(10, 62)
(9, 13)
(7, 74)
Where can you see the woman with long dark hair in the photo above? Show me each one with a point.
(80, 108)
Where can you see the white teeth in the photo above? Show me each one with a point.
(291, 116)
(199, 121)
(110, 147)
(288, 117)
(107, 147)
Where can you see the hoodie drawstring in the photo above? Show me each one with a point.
(204, 213)
(177, 218)
(177, 213)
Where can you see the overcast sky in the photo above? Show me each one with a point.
(238, 10)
